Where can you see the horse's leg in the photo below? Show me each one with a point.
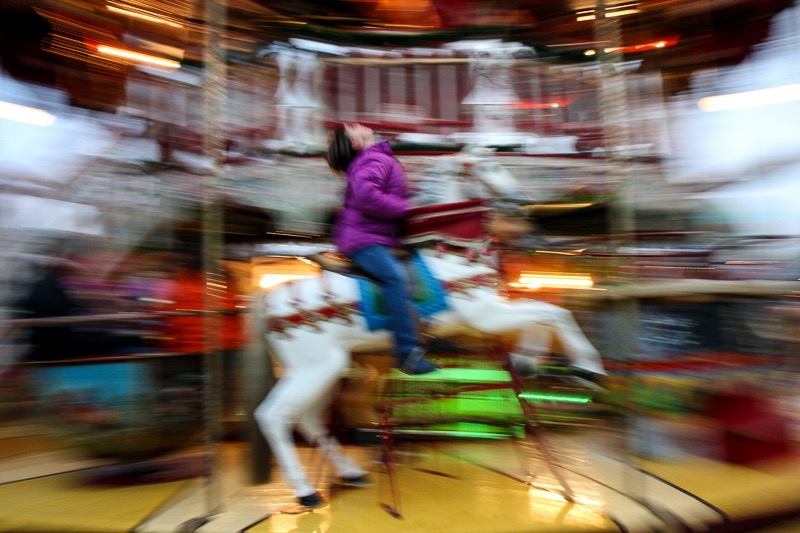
(315, 431)
(486, 312)
(574, 343)
(299, 390)
(533, 344)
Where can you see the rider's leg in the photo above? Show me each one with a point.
(380, 262)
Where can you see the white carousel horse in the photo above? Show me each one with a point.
(315, 323)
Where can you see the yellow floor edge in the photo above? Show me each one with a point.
(741, 492)
(467, 498)
(62, 503)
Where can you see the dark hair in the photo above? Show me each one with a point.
(340, 150)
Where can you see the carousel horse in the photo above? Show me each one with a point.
(314, 324)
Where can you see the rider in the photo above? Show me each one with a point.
(377, 199)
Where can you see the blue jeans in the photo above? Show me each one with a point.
(381, 263)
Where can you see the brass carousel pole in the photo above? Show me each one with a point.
(214, 92)
(617, 141)
(615, 121)
(622, 337)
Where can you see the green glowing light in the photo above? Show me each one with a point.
(469, 375)
(462, 433)
(556, 398)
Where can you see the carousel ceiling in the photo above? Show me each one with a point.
(54, 42)
(715, 32)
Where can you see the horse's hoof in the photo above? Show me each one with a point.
(312, 501)
(355, 481)
(589, 379)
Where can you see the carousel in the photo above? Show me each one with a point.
(613, 343)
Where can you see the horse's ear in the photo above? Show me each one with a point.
(508, 205)
(508, 228)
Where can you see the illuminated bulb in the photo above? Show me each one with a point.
(28, 115)
(590, 52)
(529, 280)
(773, 95)
(609, 13)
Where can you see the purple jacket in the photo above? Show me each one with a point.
(375, 202)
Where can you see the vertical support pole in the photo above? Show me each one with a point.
(617, 138)
(624, 327)
(257, 380)
(214, 92)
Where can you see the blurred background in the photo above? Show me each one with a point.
(151, 152)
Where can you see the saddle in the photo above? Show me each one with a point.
(458, 223)
(427, 293)
(341, 264)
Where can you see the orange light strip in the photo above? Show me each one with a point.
(609, 14)
(138, 57)
(143, 16)
(644, 47)
(536, 105)
(533, 281)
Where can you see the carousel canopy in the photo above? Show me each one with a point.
(57, 43)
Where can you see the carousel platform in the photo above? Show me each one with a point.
(447, 477)
(497, 485)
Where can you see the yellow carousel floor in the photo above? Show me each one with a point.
(496, 486)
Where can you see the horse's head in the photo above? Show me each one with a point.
(475, 173)
(509, 221)
(465, 176)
